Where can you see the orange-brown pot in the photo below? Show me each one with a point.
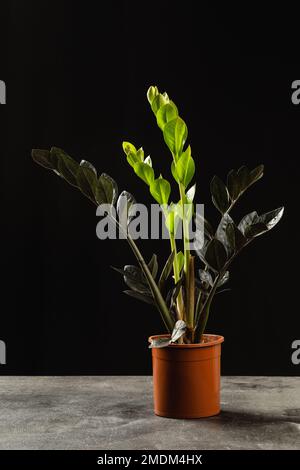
(186, 378)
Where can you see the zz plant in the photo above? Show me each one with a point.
(181, 292)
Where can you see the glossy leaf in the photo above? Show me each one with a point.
(86, 164)
(87, 182)
(134, 278)
(109, 187)
(264, 223)
(220, 195)
(247, 220)
(215, 255)
(240, 180)
(201, 221)
(239, 239)
(125, 205)
(144, 171)
(160, 190)
(225, 233)
(67, 167)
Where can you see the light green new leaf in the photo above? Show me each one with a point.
(128, 148)
(159, 101)
(185, 167)
(152, 93)
(144, 171)
(175, 135)
(160, 190)
(166, 113)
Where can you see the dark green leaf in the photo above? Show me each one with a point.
(166, 271)
(215, 255)
(205, 277)
(264, 223)
(256, 173)
(239, 239)
(224, 279)
(243, 176)
(87, 182)
(246, 221)
(88, 165)
(225, 233)
(67, 167)
(220, 196)
(109, 187)
(147, 298)
(201, 221)
(134, 278)
(42, 157)
(153, 266)
(233, 185)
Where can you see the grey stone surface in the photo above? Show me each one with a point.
(109, 413)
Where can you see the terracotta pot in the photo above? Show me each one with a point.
(186, 378)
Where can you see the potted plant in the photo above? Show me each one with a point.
(186, 359)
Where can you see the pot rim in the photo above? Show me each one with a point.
(218, 339)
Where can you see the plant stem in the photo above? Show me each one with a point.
(191, 295)
(159, 300)
(179, 301)
(186, 234)
(200, 328)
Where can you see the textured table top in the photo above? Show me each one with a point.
(115, 413)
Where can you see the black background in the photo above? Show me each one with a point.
(77, 75)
